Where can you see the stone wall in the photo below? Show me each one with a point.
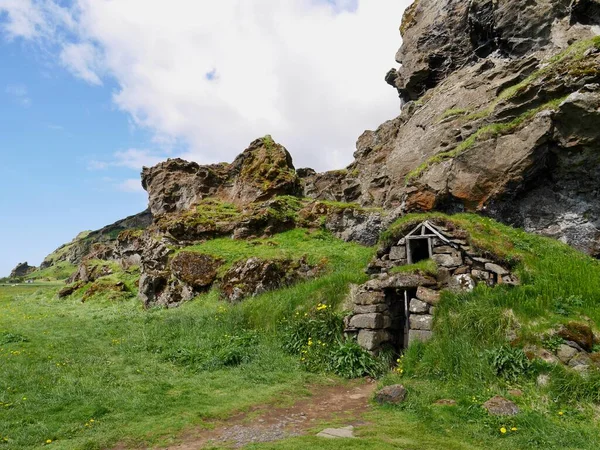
(396, 309)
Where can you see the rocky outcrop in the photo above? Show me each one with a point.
(89, 271)
(22, 270)
(256, 276)
(500, 99)
(195, 269)
(262, 171)
(80, 247)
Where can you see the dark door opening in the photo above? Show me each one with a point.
(418, 250)
(398, 301)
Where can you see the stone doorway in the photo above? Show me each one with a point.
(398, 301)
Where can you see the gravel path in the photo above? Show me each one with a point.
(267, 424)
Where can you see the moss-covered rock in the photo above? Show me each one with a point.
(580, 333)
(255, 276)
(195, 269)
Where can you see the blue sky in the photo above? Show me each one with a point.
(52, 126)
(90, 91)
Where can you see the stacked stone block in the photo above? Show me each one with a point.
(375, 319)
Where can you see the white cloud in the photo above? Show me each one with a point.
(131, 185)
(83, 61)
(19, 93)
(132, 158)
(23, 18)
(309, 72)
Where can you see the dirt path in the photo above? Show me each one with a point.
(266, 424)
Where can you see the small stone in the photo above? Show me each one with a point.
(424, 322)
(419, 336)
(515, 393)
(543, 380)
(371, 340)
(496, 269)
(480, 259)
(409, 280)
(394, 394)
(480, 275)
(546, 356)
(565, 353)
(443, 275)
(418, 307)
(369, 298)
(369, 309)
(582, 369)
(580, 359)
(448, 260)
(428, 295)
(432, 310)
(371, 321)
(499, 406)
(462, 270)
(461, 283)
(333, 433)
(443, 249)
(397, 253)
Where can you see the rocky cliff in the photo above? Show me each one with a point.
(84, 243)
(499, 105)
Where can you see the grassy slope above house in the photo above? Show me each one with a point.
(143, 376)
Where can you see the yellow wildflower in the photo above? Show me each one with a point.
(49, 441)
(560, 413)
(513, 429)
(503, 430)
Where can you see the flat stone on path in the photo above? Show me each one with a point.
(333, 433)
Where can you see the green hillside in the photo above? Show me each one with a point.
(102, 372)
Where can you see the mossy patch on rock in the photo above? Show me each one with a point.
(195, 269)
(255, 276)
(580, 333)
(265, 169)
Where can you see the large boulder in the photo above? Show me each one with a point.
(195, 269)
(255, 276)
(262, 171)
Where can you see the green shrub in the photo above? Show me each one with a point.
(509, 362)
(564, 305)
(316, 336)
(11, 338)
(350, 360)
(321, 323)
(552, 342)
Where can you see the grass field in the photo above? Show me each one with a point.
(94, 374)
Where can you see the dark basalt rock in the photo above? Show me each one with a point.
(22, 270)
(393, 395)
